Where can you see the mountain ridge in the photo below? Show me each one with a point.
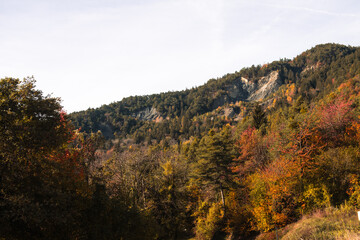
(313, 72)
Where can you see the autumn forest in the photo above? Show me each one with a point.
(262, 153)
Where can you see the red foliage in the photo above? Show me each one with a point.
(334, 118)
(71, 162)
(253, 152)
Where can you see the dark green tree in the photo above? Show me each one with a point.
(37, 195)
(215, 153)
(258, 116)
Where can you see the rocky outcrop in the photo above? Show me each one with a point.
(266, 86)
(246, 90)
(311, 67)
(241, 89)
(148, 114)
(227, 112)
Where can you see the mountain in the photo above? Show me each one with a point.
(226, 100)
(268, 152)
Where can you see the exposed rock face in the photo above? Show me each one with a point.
(229, 112)
(246, 90)
(311, 67)
(149, 114)
(248, 86)
(241, 89)
(266, 86)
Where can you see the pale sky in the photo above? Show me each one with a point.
(94, 52)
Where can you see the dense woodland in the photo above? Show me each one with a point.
(190, 171)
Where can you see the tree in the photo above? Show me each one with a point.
(30, 123)
(259, 117)
(334, 117)
(253, 153)
(214, 156)
(37, 194)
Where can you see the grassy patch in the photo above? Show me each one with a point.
(330, 224)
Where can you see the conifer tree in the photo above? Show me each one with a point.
(214, 156)
(259, 117)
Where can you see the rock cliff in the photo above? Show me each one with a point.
(250, 90)
(148, 114)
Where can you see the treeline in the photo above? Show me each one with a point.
(182, 114)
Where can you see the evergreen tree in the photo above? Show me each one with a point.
(214, 156)
(259, 117)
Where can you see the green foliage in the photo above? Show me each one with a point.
(29, 122)
(315, 197)
(336, 167)
(183, 114)
(258, 116)
(211, 169)
(35, 190)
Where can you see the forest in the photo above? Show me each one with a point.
(209, 162)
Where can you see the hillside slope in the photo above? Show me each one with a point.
(177, 115)
(327, 224)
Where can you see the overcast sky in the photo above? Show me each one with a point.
(94, 52)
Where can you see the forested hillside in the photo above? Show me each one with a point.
(179, 115)
(259, 153)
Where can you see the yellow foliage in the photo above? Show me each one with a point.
(207, 220)
(354, 191)
(315, 197)
(274, 102)
(271, 194)
(290, 90)
(168, 168)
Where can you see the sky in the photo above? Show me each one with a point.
(95, 52)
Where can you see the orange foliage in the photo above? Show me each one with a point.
(273, 194)
(253, 152)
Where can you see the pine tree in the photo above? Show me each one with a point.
(214, 155)
(259, 117)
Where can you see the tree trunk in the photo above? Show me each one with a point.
(222, 198)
